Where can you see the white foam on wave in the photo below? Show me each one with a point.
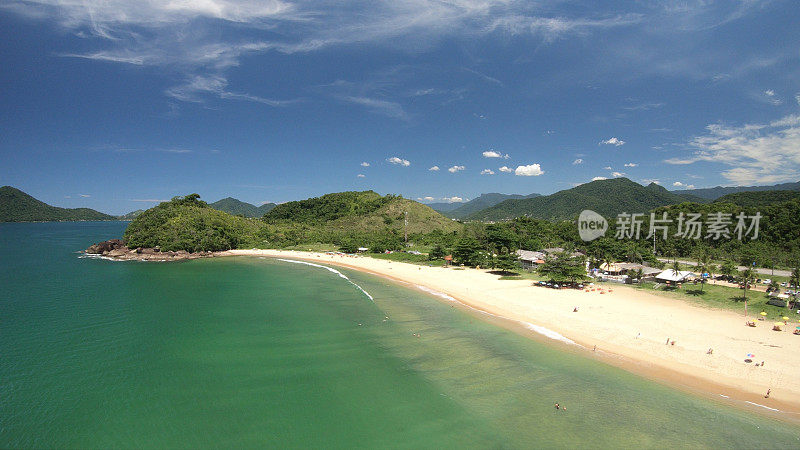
(331, 269)
(546, 332)
(96, 256)
(765, 407)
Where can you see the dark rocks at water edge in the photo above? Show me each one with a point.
(115, 248)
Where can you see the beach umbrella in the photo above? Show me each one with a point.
(763, 313)
(785, 318)
(750, 355)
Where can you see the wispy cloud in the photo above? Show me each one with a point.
(599, 178)
(755, 153)
(384, 107)
(84, 195)
(617, 174)
(434, 168)
(195, 90)
(455, 169)
(484, 77)
(630, 164)
(361, 175)
(577, 161)
(364, 164)
(487, 172)
(506, 169)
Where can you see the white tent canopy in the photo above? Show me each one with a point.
(670, 275)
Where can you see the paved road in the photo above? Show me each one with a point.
(761, 270)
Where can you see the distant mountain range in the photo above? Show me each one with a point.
(464, 210)
(607, 197)
(131, 215)
(758, 198)
(236, 207)
(717, 192)
(17, 206)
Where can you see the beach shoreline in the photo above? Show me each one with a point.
(629, 328)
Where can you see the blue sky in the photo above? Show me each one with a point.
(114, 104)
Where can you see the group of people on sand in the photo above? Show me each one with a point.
(563, 408)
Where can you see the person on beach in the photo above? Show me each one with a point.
(667, 343)
(558, 407)
(710, 351)
(766, 396)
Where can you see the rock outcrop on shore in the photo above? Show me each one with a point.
(116, 248)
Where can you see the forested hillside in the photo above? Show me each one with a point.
(17, 206)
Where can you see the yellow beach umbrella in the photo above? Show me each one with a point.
(778, 324)
(785, 318)
(763, 313)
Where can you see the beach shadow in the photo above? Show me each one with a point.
(695, 292)
(504, 273)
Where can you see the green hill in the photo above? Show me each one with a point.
(188, 223)
(237, 207)
(360, 212)
(758, 198)
(717, 192)
(17, 206)
(483, 202)
(607, 197)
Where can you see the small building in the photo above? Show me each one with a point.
(529, 259)
(669, 276)
(362, 249)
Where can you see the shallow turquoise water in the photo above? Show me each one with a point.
(246, 352)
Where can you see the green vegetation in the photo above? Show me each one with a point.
(236, 207)
(720, 297)
(17, 206)
(606, 197)
(188, 223)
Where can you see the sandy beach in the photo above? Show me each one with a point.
(629, 328)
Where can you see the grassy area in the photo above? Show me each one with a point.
(723, 297)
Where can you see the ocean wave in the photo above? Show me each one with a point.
(546, 332)
(758, 404)
(330, 269)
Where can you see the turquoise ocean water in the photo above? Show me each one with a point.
(249, 352)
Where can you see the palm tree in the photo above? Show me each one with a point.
(746, 278)
(636, 274)
(676, 269)
(703, 261)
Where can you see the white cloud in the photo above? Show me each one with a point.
(84, 195)
(631, 164)
(797, 98)
(506, 169)
(677, 184)
(617, 174)
(607, 168)
(453, 199)
(650, 180)
(685, 186)
(434, 169)
(494, 154)
(364, 164)
(612, 141)
(531, 170)
(455, 169)
(399, 161)
(361, 175)
(769, 93)
(755, 153)
(427, 199)
(577, 161)
(599, 178)
(487, 172)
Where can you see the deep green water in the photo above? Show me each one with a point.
(246, 352)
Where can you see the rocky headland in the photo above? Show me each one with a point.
(116, 248)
